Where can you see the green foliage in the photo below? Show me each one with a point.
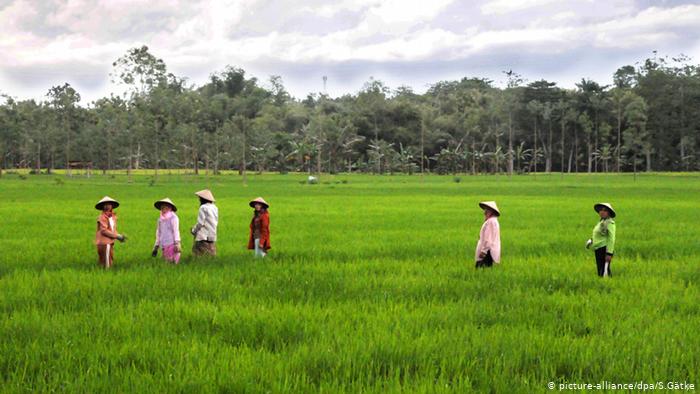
(235, 121)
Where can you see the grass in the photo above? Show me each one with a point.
(369, 286)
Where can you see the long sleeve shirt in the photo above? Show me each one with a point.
(489, 240)
(604, 235)
(106, 229)
(168, 230)
(207, 221)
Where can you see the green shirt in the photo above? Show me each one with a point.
(604, 235)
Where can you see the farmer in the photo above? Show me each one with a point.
(603, 239)
(488, 250)
(259, 228)
(167, 231)
(107, 231)
(205, 230)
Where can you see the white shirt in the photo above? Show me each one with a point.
(489, 240)
(207, 221)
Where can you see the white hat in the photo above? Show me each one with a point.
(165, 201)
(605, 205)
(104, 200)
(490, 205)
(259, 200)
(206, 194)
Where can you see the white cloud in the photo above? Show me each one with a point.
(201, 37)
(499, 7)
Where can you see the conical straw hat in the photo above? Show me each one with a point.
(490, 204)
(105, 199)
(261, 201)
(607, 205)
(206, 194)
(165, 201)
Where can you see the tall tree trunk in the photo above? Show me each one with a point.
(38, 159)
(68, 169)
(576, 149)
(563, 136)
(195, 153)
(243, 164)
(157, 163)
(422, 148)
(549, 149)
(590, 152)
(619, 130)
(534, 155)
(510, 142)
(648, 155)
(131, 159)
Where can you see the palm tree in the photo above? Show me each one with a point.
(521, 155)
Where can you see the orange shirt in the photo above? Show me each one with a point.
(106, 229)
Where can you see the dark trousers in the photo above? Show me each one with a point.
(600, 261)
(487, 261)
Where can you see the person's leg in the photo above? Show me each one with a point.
(110, 256)
(196, 248)
(258, 250)
(600, 261)
(170, 255)
(488, 260)
(101, 256)
(606, 265)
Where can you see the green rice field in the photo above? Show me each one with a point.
(369, 286)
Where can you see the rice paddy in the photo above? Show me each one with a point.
(369, 286)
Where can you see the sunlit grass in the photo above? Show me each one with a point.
(369, 286)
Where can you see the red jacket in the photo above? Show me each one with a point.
(264, 232)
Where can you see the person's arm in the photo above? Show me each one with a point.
(486, 239)
(201, 217)
(105, 230)
(264, 229)
(610, 247)
(176, 232)
(157, 243)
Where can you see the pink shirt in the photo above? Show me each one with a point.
(489, 239)
(168, 230)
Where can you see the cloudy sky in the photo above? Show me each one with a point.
(402, 42)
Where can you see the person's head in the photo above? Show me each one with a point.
(604, 213)
(258, 207)
(107, 207)
(165, 208)
(488, 212)
(203, 201)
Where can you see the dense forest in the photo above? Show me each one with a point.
(647, 120)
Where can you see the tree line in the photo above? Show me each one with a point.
(647, 120)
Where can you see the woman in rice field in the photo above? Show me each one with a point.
(107, 231)
(167, 231)
(207, 221)
(259, 239)
(488, 250)
(603, 239)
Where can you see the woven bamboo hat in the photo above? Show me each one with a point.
(605, 205)
(259, 200)
(104, 200)
(206, 194)
(166, 200)
(490, 205)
